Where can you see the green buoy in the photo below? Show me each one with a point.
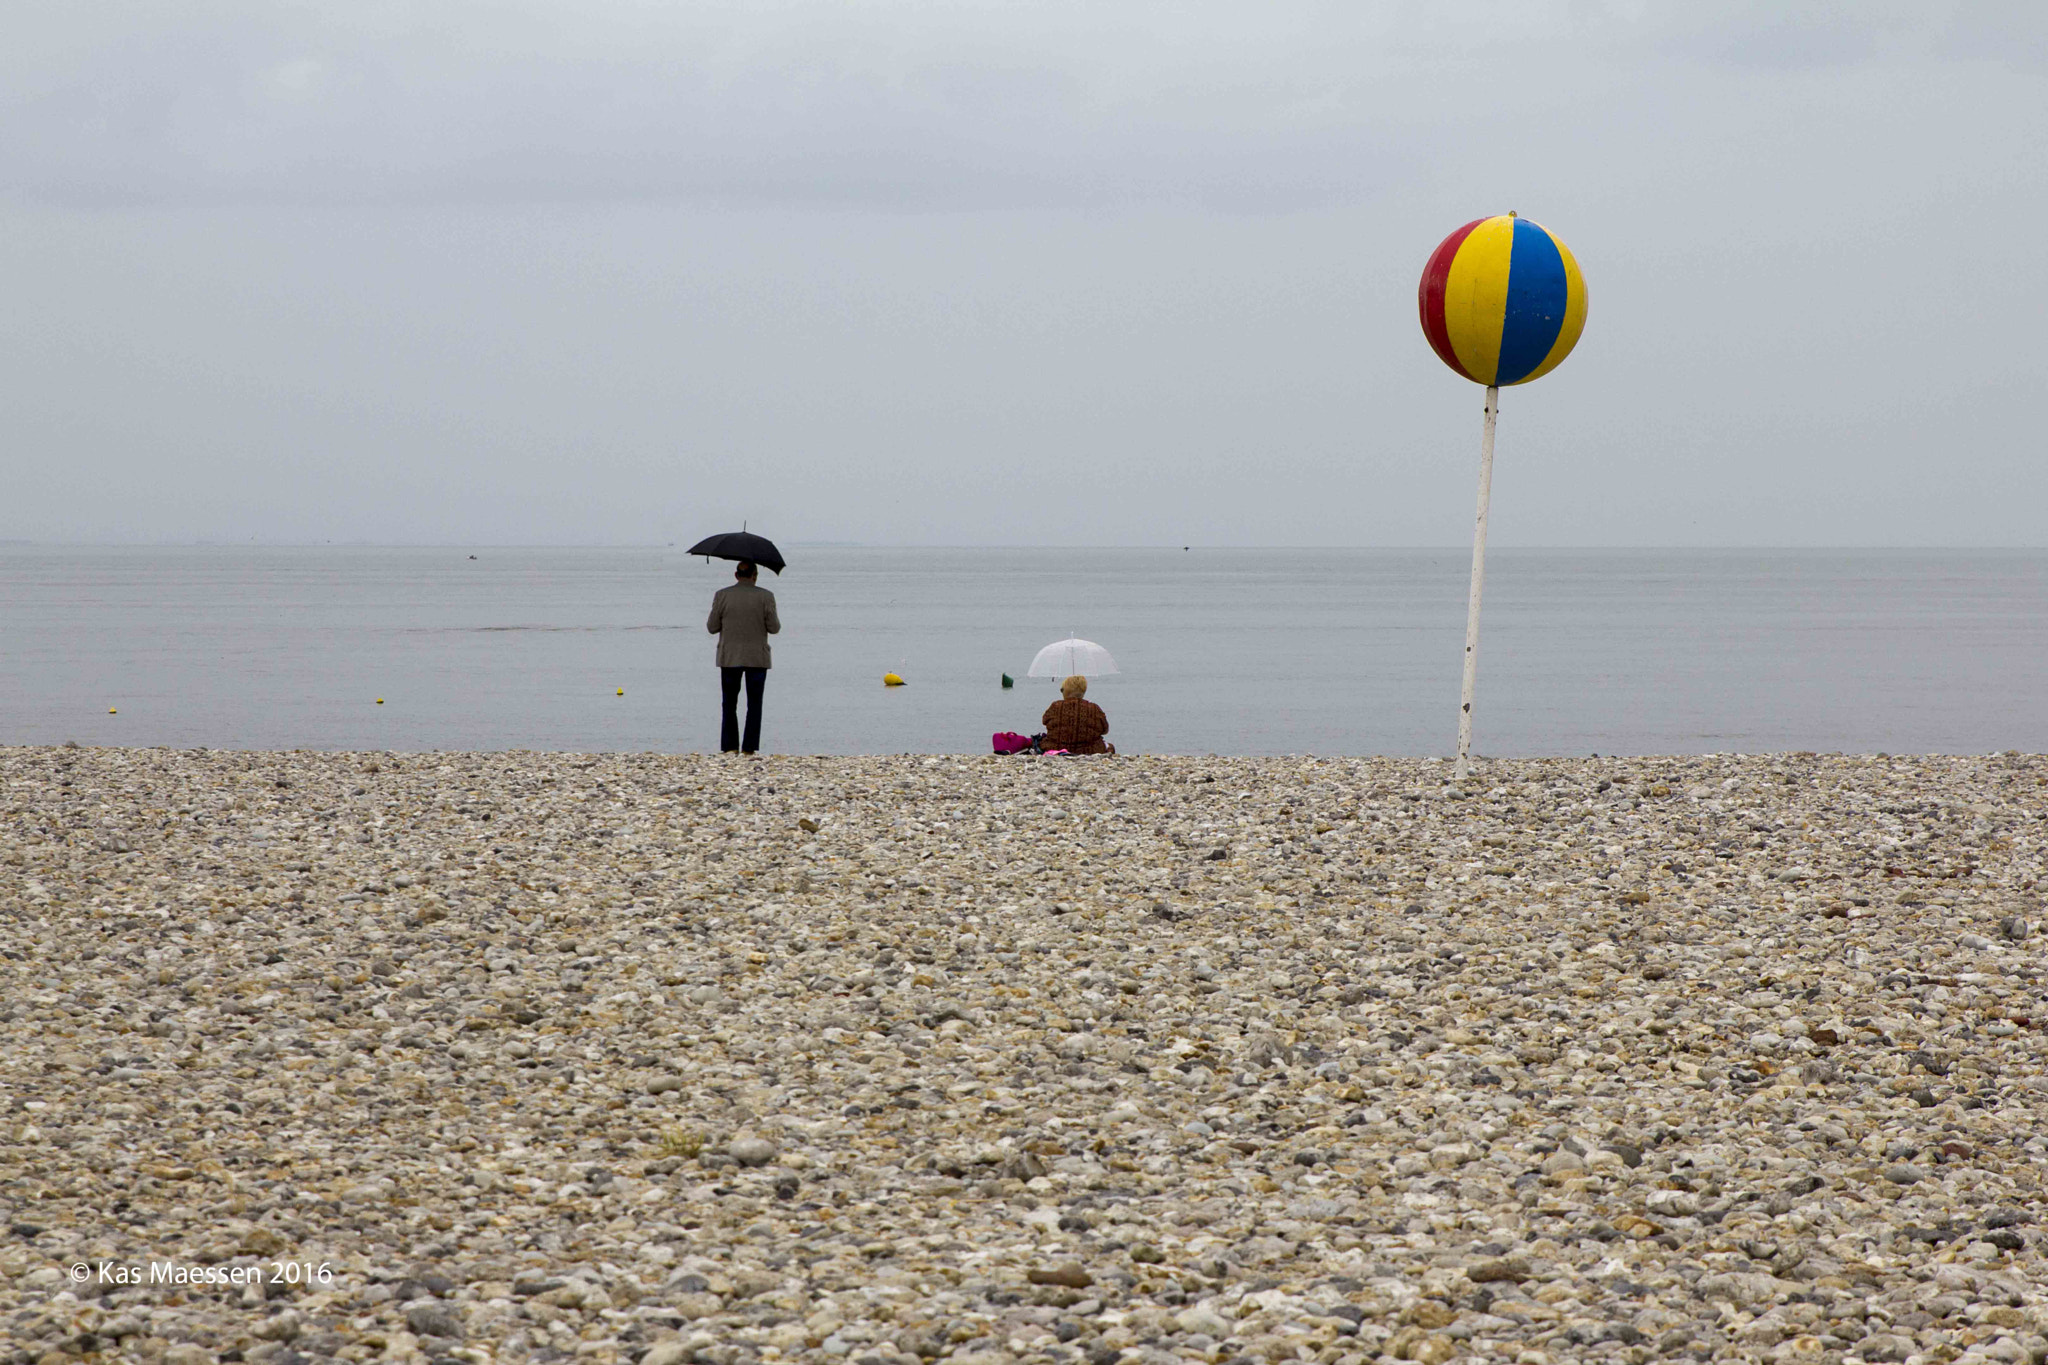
(1009, 681)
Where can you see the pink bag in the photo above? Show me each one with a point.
(1010, 742)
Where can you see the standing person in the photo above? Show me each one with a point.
(742, 617)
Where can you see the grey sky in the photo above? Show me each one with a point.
(1046, 273)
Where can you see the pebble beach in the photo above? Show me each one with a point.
(660, 1059)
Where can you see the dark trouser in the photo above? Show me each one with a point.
(729, 732)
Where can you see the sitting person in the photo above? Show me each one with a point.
(1074, 724)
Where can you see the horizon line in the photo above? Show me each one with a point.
(1189, 546)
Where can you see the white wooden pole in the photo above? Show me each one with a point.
(1478, 583)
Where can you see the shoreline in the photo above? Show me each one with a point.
(1480, 761)
(612, 1057)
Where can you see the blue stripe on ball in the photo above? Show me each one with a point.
(1537, 295)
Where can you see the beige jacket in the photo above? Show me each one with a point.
(743, 617)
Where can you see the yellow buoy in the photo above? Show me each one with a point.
(891, 680)
(112, 712)
(622, 691)
(380, 701)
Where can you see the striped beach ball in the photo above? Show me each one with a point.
(1502, 301)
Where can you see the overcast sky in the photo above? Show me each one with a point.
(1087, 272)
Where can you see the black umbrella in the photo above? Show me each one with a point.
(743, 545)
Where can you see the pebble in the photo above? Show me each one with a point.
(1495, 1270)
(666, 1059)
(752, 1151)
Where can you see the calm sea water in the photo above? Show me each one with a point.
(1224, 651)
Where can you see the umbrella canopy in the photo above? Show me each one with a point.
(743, 545)
(1065, 658)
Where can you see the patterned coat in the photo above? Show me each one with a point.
(1076, 725)
(743, 617)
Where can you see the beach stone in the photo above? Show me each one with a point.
(753, 1151)
(282, 1326)
(433, 1320)
(1498, 1270)
(1350, 1087)
(1740, 1288)
(1203, 1319)
(692, 1305)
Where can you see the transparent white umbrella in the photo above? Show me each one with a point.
(1065, 658)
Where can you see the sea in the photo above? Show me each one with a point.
(1219, 651)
